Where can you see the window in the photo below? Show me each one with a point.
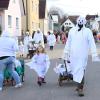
(17, 23)
(9, 21)
(66, 23)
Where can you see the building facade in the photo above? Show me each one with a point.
(31, 19)
(43, 18)
(10, 16)
(69, 22)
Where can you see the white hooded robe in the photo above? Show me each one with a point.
(51, 39)
(77, 46)
(38, 37)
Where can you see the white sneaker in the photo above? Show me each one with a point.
(0, 88)
(18, 85)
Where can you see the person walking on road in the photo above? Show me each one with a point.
(80, 39)
(40, 63)
(38, 38)
(51, 39)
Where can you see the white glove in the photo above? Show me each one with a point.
(95, 58)
(66, 56)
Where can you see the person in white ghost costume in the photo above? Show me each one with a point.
(26, 41)
(40, 63)
(38, 38)
(80, 39)
(51, 39)
(21, 49)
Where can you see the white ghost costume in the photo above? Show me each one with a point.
(21, 49)
(26, 41)
(38, 37)
(40, 63)
(51, 39)
(77, 47)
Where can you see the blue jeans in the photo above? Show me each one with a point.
(8, 63)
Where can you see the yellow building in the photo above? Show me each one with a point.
(31, 20)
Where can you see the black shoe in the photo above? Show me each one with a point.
(80, 92)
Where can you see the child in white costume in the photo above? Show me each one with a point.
(51, 40)
(40, 63)
(21, 49)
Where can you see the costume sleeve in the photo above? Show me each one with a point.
(15, 46)
(47, 63)
(41, 36)
(34, 58)
(91, 42)
(47, 60)
(68, 43)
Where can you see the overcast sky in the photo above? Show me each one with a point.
(80, 7)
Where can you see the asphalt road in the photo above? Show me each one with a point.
(51, 90)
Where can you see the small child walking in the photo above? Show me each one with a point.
(40, 63)
(21, 49)
(51, 39)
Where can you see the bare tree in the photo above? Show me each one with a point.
(56, 11)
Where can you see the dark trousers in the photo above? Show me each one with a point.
(81, 85)
(51, 47)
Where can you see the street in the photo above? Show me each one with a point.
(51, 90)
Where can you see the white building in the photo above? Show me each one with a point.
(68, 23)
(10, 16)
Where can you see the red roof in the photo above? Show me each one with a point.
(4, 4)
